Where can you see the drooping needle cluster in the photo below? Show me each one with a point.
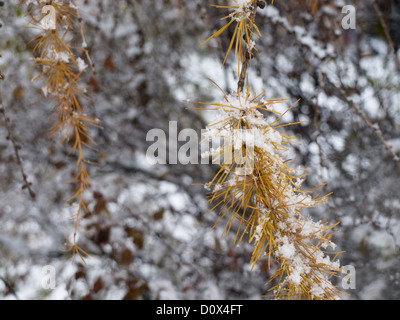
(257, 190)
(61, 71)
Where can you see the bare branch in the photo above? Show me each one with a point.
(387, 34)
(27, 184)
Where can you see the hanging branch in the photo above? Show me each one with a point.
(62, 71)
(249, 52)
(258, 189)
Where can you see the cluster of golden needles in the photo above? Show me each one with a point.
(61, 70)
(261, 193)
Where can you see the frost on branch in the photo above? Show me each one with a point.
(257, 188)
(264, 195)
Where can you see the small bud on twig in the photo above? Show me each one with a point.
(261, 4)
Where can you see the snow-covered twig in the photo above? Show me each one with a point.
(262, 193)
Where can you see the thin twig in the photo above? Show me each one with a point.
(16, 147)
(10, 287)
(376, 129)
(247, 56)
(84, 43)
(387, 34)
(370, 124)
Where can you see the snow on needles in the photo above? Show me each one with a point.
(276, 226)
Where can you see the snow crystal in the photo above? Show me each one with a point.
(81, 64)
(317, 290)
(217, 187)
(61, 56)
(45, 90)
(286, 250)
(243, 8)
